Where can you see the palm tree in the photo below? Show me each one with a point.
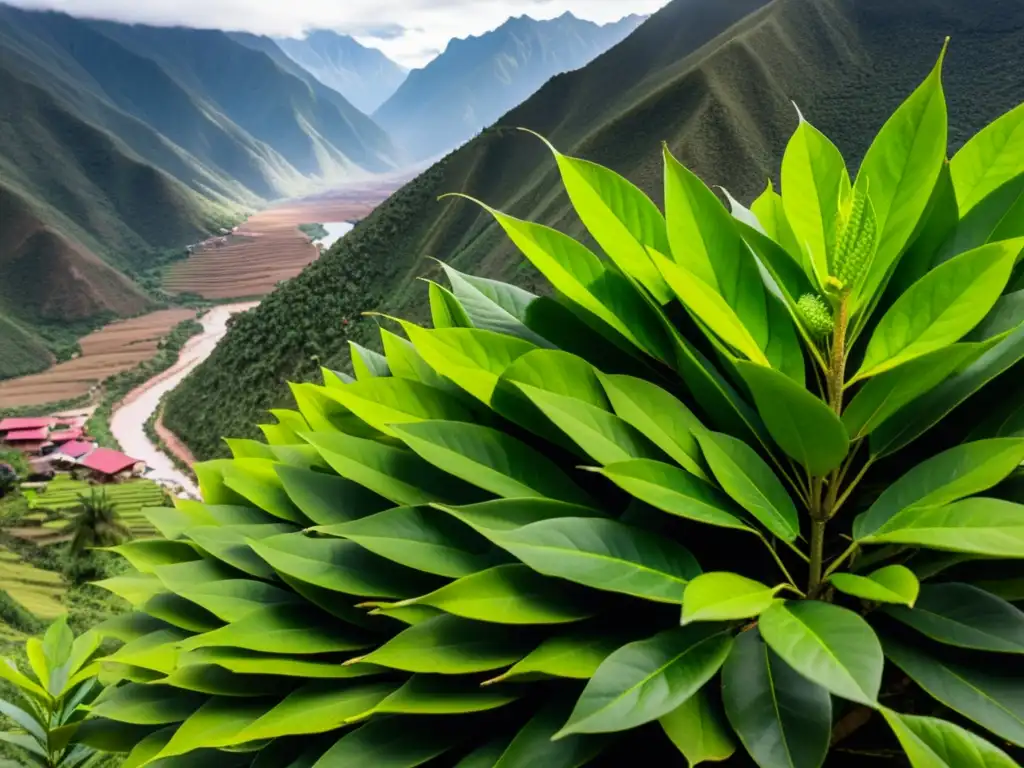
(97, 523)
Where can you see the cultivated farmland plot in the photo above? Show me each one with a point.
(269, 248)
(114, 348)
(36, 590)
(61, 495)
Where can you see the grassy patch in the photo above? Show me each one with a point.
(314, 231)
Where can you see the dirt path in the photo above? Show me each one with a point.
(128, 420)
(173, 442)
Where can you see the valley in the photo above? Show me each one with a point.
(268, 247)
(266, 250)
(127, 422)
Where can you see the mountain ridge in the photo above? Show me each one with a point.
(363, 75)
(476, 79)
(120, 144)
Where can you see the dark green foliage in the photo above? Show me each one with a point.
(725, 111)
(96, 524)
(21, 353)
(13, 468)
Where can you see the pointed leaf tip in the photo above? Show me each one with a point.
(539, 136)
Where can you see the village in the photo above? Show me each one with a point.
(61, 463)
(52, 444)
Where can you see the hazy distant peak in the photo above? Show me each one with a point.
(479, 78)
(363, 75)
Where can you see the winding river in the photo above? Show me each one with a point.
(127, 423)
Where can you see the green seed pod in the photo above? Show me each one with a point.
(816, 314)
(856, 238)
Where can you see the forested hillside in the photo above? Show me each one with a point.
(711, 80)
(121, 144)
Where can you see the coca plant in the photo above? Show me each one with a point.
(49, 701)
(727, 493)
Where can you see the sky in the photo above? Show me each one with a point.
(409, 31)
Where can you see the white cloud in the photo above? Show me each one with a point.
(427, 25)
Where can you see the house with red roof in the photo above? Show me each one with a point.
(70, 452)
(19, 423)
(28, 440)
(66, 435)
(107, 465)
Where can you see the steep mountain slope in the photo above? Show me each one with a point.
(313, 128)
(721, 104)
(364, 76)
(477, 79)
(121, 144)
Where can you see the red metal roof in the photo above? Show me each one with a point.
(76, 448)
(17, 423)
(65, 435)
(108, 461)
(25, 435)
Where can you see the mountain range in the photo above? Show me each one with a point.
(478, 79)
(714, 80)
(364, 76)
(121, 144)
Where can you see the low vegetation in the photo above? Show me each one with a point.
(35, 591)
(47, 708)
(314, 231)
(38, 586)
(748, 490)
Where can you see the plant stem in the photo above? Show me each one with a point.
(796, 551)
(818, 522)
(841, 559)
(778, 560)
(817, 547)
(853, 484)
(837, 365)
(822, 509)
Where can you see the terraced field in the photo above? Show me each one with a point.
(61, 496)
(114, 348)
(269, 248)
(36, 590)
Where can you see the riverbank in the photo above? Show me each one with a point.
(127, 423)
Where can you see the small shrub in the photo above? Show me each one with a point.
(46, 710)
